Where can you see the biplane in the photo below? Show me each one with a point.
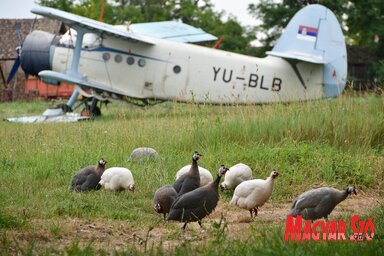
(158, 61)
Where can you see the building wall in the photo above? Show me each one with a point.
(9, 40)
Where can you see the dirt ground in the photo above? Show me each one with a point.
(113, 235)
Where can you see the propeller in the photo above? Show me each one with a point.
(16, 65)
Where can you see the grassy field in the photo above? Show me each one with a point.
(336, 142)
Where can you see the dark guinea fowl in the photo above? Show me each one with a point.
(319, 203)
(197, 204)
(163, 199)
(191, 180)
(89, 177)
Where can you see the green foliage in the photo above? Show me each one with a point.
(63, 5)
(9, 221)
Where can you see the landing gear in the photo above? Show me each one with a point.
(92, 110)
(65, 108)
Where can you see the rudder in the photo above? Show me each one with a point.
(314, 35)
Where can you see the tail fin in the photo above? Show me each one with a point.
(314, 35)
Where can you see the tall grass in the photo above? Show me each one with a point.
(337, 142)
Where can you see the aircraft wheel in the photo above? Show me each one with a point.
(87, 111)
(96, 111)
(65, 108)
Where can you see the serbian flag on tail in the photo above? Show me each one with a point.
(307, 33)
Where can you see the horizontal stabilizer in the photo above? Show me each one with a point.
(312, 58)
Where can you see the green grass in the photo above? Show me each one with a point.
(336, 142)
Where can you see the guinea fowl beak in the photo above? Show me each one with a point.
(157, 207)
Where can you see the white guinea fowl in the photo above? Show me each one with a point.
(236, 175)
(117, 178)
(252, 194)
(205, 175)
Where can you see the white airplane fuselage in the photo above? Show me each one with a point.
(184, 72)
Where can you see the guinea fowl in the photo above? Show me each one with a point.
(235, 175)
(205, 175)
(251, 194)
(88, 178)
(319, 203)
(117, 179)
(190, 180)
(164, 198)
(197, 204)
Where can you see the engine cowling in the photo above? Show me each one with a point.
(35, 54)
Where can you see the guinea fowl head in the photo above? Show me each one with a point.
(157, 207)
(222, 170)
(351, 190)
(196, 156)
(131, 187)
(223, 186)
(274, 174)
(102, 162)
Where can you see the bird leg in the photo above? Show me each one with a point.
(185, 225)
(200, 223)
(253, 212)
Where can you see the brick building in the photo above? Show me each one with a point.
(8, 43)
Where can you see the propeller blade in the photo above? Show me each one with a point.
(18, 32)
(13, 70)
(33, 25)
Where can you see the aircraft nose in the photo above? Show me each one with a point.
(35, 54)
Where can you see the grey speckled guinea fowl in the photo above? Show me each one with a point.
(163, 199)
(319, 203)
(197, 204)
(88, 178)
(190, 180)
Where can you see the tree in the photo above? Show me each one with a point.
(63, 5)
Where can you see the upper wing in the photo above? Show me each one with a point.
(172, 30)
(92, 26)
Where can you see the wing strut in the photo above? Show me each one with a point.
(75, 64)
(76, 52)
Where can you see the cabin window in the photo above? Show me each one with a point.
(141, 62)
(177, 69)
(130, 60)
(118, 58)
(106, 56)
